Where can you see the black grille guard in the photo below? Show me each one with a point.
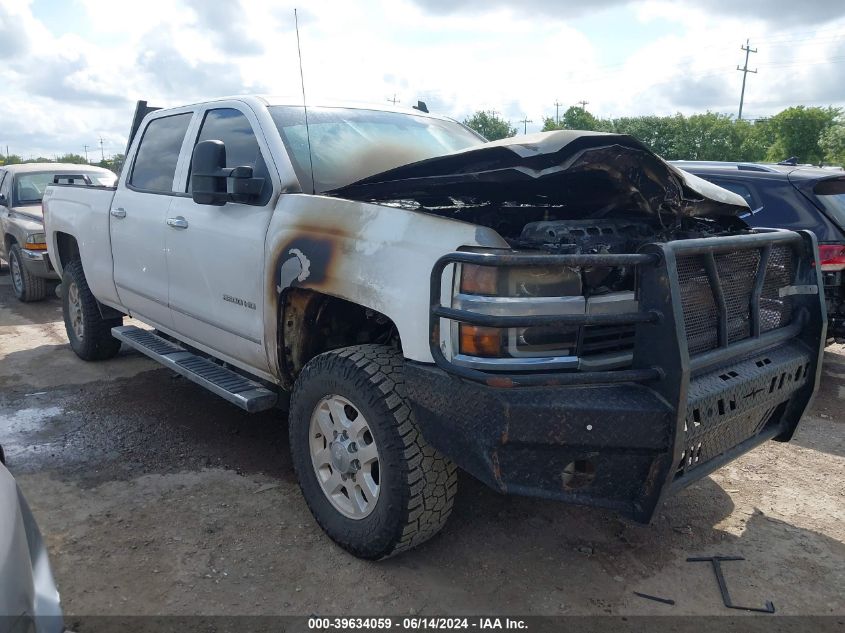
(661, 350)
(720, 402)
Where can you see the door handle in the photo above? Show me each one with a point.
(178, 222)
(119, 212)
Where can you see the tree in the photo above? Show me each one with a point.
(797, 131)
(11, 159)
(660, 133)
(490, 125)
(115, 163)
(757, 138)
(73, 158)
(712, 136)
(832, 142)
(577, 118)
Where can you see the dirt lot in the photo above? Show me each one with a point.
(156, 497)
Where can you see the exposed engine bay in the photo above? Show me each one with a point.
(536, 228)
(563, 192)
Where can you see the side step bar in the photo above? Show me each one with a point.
(247, 394)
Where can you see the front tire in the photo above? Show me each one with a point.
(349, 405)
(27, 287)
(88, 332)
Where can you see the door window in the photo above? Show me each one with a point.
(740, 189)
(233, 128)
(155, 162)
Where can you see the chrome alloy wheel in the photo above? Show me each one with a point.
(74, 304)
(345, 457)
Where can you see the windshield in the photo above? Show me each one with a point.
(350, 144)
(29, 187)
(831, 193)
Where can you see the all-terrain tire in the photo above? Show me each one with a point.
(94, 341)
(418, 484)
(26, 286)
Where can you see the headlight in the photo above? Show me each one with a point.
(539, 289)
(512, 281)
(36, 242)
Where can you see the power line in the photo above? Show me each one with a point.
(748, 50)
(557, 111)
(102, 151)
(525, 123)
(86, 153)
(394, 100)
(583, 104)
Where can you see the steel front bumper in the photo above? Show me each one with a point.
(606, 445)
(38, 263)
(624, 440)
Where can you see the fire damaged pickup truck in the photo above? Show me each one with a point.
(562, 315)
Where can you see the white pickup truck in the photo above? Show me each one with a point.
(563, 315)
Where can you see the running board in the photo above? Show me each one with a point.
(247, 394)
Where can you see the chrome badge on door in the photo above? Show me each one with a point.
(240, 302)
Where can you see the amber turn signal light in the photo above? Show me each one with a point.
(480, 341)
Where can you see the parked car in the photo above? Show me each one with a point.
(794, 197)
(21, 222)
(563, 315)
(29, 599)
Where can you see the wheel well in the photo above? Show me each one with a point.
(8, 241)
(68, 248)
(311, 323)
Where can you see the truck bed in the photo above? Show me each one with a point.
(83, 210)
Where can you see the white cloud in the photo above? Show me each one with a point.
(65, 90)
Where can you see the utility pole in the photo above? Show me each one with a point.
(557, 111)
(583, 104)
(394, 100)
(748, 50)
(102, 153)
(86, 153)
(525, 123)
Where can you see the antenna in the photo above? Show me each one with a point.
(304, 104)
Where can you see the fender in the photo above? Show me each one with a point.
(379, 257)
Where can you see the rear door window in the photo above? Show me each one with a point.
(233, 128)
(155, 162)
(741, 189)
(784, 207)
(775, 203)
(831, 195)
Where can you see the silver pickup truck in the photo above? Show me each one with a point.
(563, 315)
(21, 223)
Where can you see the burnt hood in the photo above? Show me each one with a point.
(591, 172)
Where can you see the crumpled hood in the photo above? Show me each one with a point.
(593, 170)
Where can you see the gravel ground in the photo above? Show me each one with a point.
(157, 497)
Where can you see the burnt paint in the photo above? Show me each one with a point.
(320, 252)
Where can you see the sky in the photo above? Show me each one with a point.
(72, 70)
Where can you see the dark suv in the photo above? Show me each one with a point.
(793, 197)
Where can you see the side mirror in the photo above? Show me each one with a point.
(210, 177)
(208, 182)
(3, 201)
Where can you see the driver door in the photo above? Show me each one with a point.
(215, 254)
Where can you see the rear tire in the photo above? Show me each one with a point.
(88, 332)
(362, 389)
(27, 287)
